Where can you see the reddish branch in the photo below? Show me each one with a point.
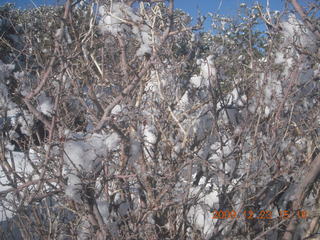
(301, 193)
(106, 115)
(36, 113)
(25, 185)
(48, 124)
(47, 72)
(304, 17)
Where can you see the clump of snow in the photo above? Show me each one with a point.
(221, 150)
(155, 85)
(5, 71)
(25, 122)
(80, 154)
(45, 105)
(21, 163)
(117, 109)
(272, 93)
(196, 81)
(112, 21)
(202, 124)
(208, 70)
(112, 141)
(3, 95)
(144, 49)
(74, 187)
(83, 155)
(183, 103)
(143, 35)
(149, 134)
(19, 75)
(117, 19)
(113, 227)
(113, 212)
(295, 32)
(279, 59)
(58, 33)
(200, 214)
(25, 81)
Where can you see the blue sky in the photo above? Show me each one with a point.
(228, 7)
(223, 7)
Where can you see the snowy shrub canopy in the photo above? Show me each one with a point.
(125, 121)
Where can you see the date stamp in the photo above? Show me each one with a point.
(262, 214)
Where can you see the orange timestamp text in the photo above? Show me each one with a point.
(262, 214)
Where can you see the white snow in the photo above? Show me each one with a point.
(5, 71)
(73, 190)
(233, 97)
(113, 20)
(24, 169)
(196, 81)
(103, 207)
(144, 49)
(45, 105)
(200, 214)
(112, 141)
(25, 122)
(279, 59)
(208, 70)
(117, 19)
(149, 134)
(83, 154)
(183, 104)
(117, 109)
(3, 95)
(220, 151)
(271, 88)
(295, 32)
(144, 36)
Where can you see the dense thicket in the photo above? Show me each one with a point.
(126, 120)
